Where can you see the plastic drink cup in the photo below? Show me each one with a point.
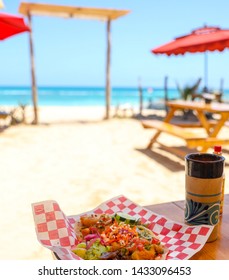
(204, 174)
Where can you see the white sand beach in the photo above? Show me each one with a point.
(80, 160)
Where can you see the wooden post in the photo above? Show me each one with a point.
(221, 85)
(34, 86)
(220, 96)
(108, 86)
(166, 92)
(140, 96)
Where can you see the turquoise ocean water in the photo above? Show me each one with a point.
(85, 96)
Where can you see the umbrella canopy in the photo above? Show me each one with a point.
(11, 25)
(202, 39)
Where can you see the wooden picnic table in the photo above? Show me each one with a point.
(201, 108)
(216, 250)
(211, 128)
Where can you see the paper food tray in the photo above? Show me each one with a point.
(55, 230)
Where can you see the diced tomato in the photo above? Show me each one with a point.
(155, 241)
(140, 246)
(85, 231)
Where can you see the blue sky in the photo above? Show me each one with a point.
(71, 52)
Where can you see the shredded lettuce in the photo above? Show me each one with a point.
(96, 250)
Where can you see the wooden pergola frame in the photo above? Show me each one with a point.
(107, 15)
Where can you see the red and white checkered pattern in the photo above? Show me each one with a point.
(56, 231)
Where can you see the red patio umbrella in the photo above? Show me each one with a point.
(11, 25)
(202, 39)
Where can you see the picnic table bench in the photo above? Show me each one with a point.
(192, 138)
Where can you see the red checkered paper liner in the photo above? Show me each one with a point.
(55, 230)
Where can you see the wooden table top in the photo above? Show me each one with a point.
(202, 106)
(216, 250)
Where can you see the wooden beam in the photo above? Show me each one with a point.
(108, 85)
(70, 11)
(33, 76)
(1, 4)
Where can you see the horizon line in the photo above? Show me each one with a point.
(81, 86)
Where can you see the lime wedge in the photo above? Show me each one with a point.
(123, 217)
